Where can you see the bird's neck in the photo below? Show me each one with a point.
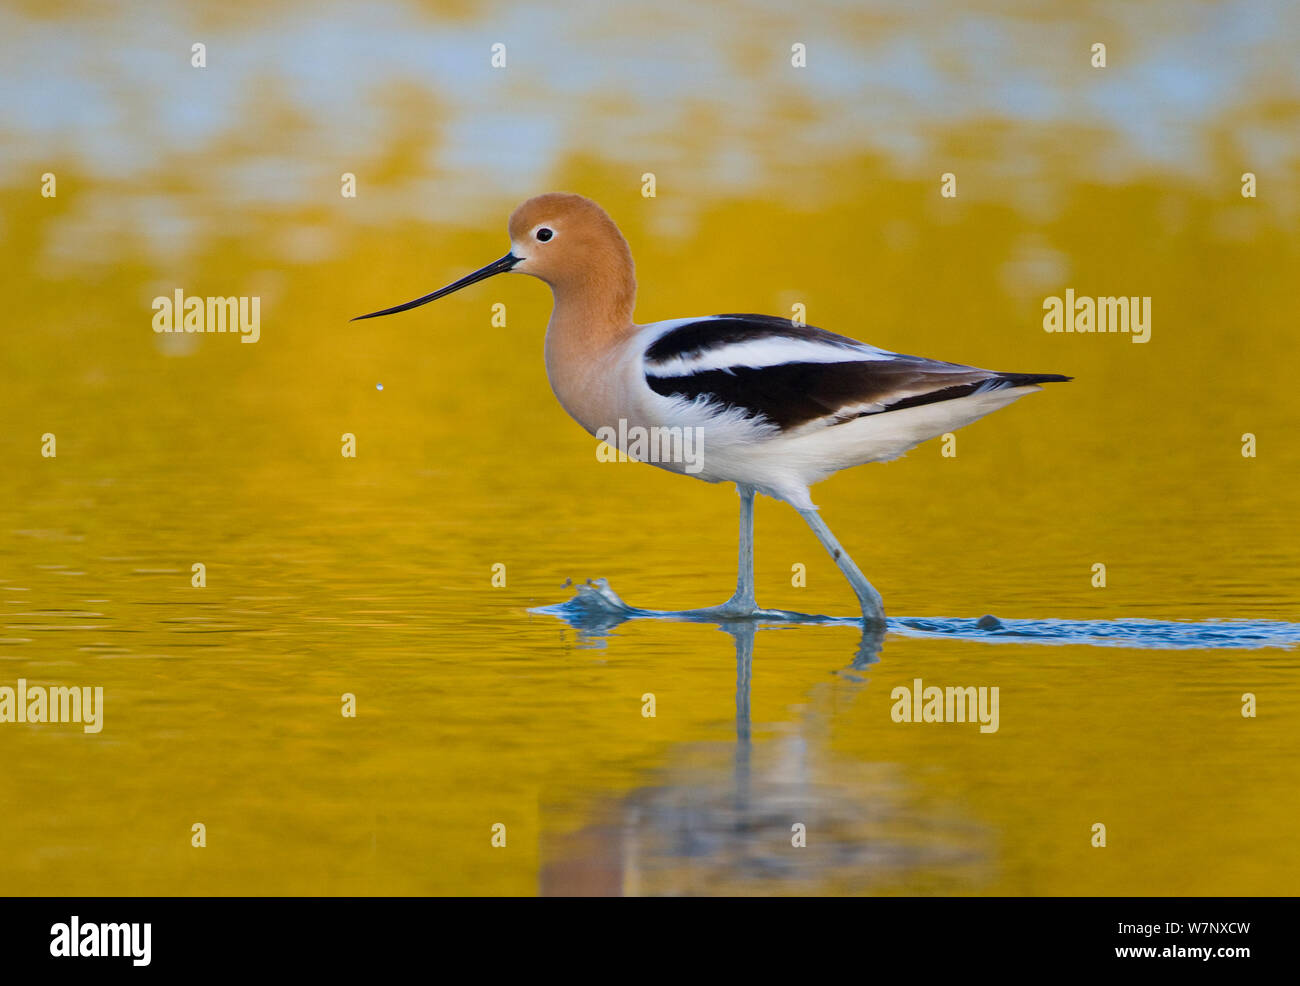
(589, 327)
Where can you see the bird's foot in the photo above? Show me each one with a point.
(873, 607)
(736, 608)
(873, 617)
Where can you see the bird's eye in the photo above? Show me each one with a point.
(545, 234)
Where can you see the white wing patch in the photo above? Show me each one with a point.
(770, 351)
(850, 411)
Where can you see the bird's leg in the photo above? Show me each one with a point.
(743, 603)
(873, 607)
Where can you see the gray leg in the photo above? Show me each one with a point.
(873, 607)
(606, 609)
(743, 603)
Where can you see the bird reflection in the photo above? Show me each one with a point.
(596, 609)
(725, 818)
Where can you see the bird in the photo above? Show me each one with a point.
(778, 405)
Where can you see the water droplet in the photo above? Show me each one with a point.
(379, 386)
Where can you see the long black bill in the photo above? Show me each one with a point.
(496, 267)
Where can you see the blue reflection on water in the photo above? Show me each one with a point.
(595, 608)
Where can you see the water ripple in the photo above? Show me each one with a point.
(595, 608)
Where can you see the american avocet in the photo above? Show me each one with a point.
(780, 405)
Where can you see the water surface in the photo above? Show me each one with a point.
(373, 576)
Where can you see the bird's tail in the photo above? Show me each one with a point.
(1030, 379)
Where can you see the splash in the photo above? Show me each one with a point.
(596, 607)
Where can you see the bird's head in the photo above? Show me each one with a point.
(566, 240)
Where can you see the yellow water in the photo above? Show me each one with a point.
(374, 576)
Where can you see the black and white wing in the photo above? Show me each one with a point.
(792, 375)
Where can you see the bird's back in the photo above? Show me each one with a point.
(797, 377)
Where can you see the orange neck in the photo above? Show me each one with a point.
(591, 320)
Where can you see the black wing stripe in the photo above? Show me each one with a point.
(723, 330)
(793, 394)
